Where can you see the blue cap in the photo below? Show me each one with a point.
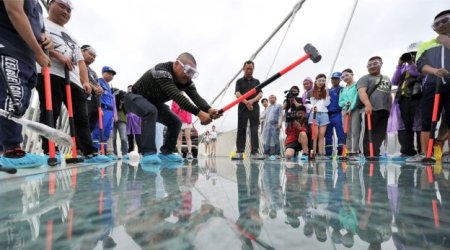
(336, 75)
(108, 69)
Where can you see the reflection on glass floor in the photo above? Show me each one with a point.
(221, 204)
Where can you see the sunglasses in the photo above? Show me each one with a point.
(345, 76)
(189, 70)
(441, 21)
(373, 64)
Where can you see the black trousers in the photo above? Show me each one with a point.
(131, 143)
(150, 114)
(80, 113)
(92, 112)
(379, 126)
(244, 115)
(408, 109)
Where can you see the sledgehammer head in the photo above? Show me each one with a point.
(313, 53)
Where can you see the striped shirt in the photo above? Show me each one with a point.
(159, 85)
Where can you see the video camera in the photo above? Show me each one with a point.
(297, 114)
(291, 94)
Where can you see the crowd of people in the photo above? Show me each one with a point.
(30, 43)
(97, 110)
(359, 112)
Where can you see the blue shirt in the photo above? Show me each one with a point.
(334, 93)
(107, 97)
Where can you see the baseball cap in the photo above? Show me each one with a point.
(108, 69)
(336, 75)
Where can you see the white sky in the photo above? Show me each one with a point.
(132, 36)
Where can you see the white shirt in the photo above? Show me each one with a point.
(64, 43)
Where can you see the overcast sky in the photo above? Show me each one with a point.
(132, 36)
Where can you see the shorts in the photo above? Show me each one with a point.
(186, 125)
(322, 119)
(427, 103)
(295, 146)
(213, 139)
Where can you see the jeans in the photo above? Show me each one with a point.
(120, 127)
(150, 114)
(271, 134)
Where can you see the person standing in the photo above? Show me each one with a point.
(67, 55)
(334, 114)
(318, 100)
(262, 117)
(186, 126)
(108, 107)
(272, 126)
(213, 141)
(133, 129)
(347, 101)
(22, 34)
(89, 55)
(433, 60)
(409, 82)
(374, 90)
(120, 125)
(248, 110)
(206, 141)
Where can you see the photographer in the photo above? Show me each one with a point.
(409, 82)
(292, 101)
(296, 134)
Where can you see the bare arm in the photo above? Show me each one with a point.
(19, 20)
(256, 98)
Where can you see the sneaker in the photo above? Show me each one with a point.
(151, 159)
(58, 159)
(304, 157)
(95, 158)
(170, 157)
(17, 158)
(415, 159)
(272, 157)
(321, 158)
(257, 156)
(189, 156)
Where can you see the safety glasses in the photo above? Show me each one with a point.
(440, 21)
(373, 64)
(321, 80)
(189, 70)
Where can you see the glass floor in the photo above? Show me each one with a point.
(216, 203)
